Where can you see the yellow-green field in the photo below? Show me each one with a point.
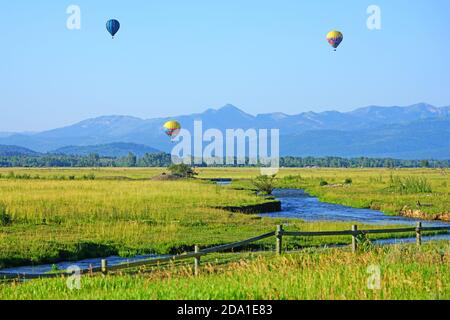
(51, 215)
(59, 214)
(58, 219)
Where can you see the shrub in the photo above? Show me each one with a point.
(5, 218)
(364, 243)
(264, 184)
(89, 176)
(323, 183)
(348, 181)
(182, 170)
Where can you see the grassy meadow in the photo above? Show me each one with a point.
(49, 215)
(405, 272)
(52, 215)
(59, 219)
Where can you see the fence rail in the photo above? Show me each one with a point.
(197, 254)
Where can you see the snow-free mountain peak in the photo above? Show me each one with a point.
(297, 131)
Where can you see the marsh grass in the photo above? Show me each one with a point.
(409, 185)
(49, 219)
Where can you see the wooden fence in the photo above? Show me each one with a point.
(279, 234)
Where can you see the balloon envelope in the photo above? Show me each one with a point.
(335, 38)
(172, 128)
(113, 27)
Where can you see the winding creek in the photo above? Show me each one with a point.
(296, 204)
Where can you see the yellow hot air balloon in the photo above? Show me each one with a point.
(172, 128)
(335, 38)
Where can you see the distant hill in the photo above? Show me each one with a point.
(5, 134)
(416, 131)
(426, 139)
(11, 151)
(107, 150)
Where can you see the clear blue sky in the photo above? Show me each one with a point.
(177, 57)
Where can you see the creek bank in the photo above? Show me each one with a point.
(419, 214)
(271, 206)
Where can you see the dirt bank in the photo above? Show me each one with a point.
(419, 214)
(271, 206)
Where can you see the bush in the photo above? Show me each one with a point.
(264, 184)
(182, 170)
(323, 183)
(348, 181)
(89, 176)
(364, 243)
(5, 218)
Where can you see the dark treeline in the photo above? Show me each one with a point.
(164, 160)
(92, 160)
(361, 162)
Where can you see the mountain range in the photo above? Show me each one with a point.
(412, 132)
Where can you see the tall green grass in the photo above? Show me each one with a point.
(409, 185)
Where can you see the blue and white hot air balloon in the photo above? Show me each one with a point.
(113, 27)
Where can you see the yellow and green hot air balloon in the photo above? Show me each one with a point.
(335, 38)
(172, 128)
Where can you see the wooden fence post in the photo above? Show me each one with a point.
(196, 261)
(104, 267)
(279, 235)
(354, 239)
(419, 234)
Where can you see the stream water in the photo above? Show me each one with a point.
(298, 204)
(82, 264)
(295, 204)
